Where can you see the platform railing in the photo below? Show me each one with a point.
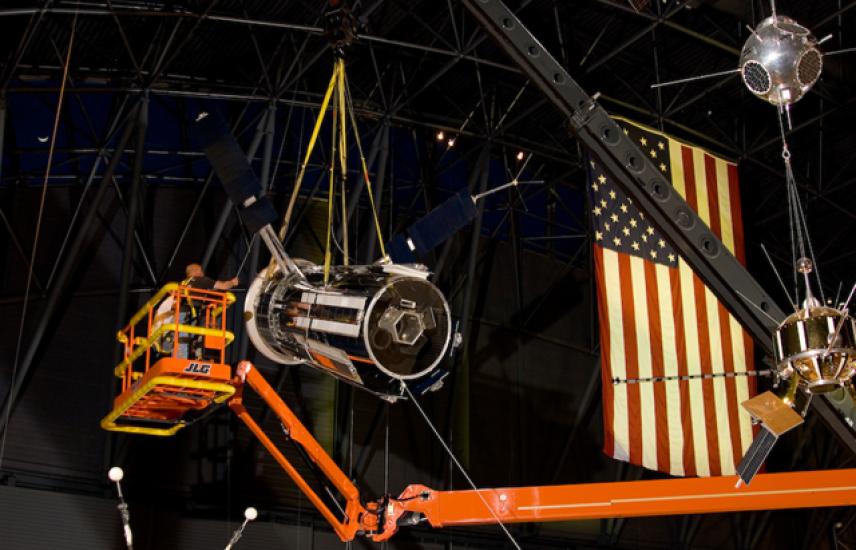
(189, 312)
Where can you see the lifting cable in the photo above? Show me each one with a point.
(30, 272)
(338, 92)
(460, 467)
(800, 240)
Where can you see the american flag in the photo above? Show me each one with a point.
(657, 318)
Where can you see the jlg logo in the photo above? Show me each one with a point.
(198, 368)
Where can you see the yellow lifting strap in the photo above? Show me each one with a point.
(366, 178)
(342, 111)
(343, 156)
(328, 253)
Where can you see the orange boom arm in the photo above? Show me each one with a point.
(817, 489)
(380, 520)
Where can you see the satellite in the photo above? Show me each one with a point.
(779, 62)
(374, 326)
(815, 353)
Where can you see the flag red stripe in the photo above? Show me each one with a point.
(681, 352)
(724, 324)
(730, 383)
(712, 195)
(740, 253)
(689, 177)
(710, 420)
(710, 427)
(655, 334)
(605, 364)
(634, 400)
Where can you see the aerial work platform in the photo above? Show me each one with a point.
(174, 366)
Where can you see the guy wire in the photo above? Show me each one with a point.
(797, 215)
(460, 467)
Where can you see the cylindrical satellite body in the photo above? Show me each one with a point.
(817, 344)
(780, 62)
(372, 325)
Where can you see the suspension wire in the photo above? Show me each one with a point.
(313, 138)
(816, 267)
(343, 155)
(246, 256)
(331, 194)
(791, 222)
(386, 460)
(460, 467)
(779, 277)
(797, 219)
(30, 272)
(511, 105)
(366, 178)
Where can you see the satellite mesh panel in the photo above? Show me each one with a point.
(756, 77)
(809, 67)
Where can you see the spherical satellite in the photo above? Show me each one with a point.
(780, 62)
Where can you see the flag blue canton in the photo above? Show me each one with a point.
(618, 224)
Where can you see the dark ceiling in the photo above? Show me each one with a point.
(418, 67)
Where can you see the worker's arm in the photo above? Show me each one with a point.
(226, 285)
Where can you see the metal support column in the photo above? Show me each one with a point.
(58, 288)
(133, 208)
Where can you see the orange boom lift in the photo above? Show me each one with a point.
(173, 371)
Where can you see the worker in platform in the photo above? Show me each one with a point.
(189, 314)
(196, 278)
(190, 346)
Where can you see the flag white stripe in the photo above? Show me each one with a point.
(690, 321)
(739, 351)
(723, 433)
(726, 226)
(643, 354)
(617, 359)
(670, 366)
(690, 314)
(723, 419)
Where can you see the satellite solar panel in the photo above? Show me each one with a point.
(756, 455)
